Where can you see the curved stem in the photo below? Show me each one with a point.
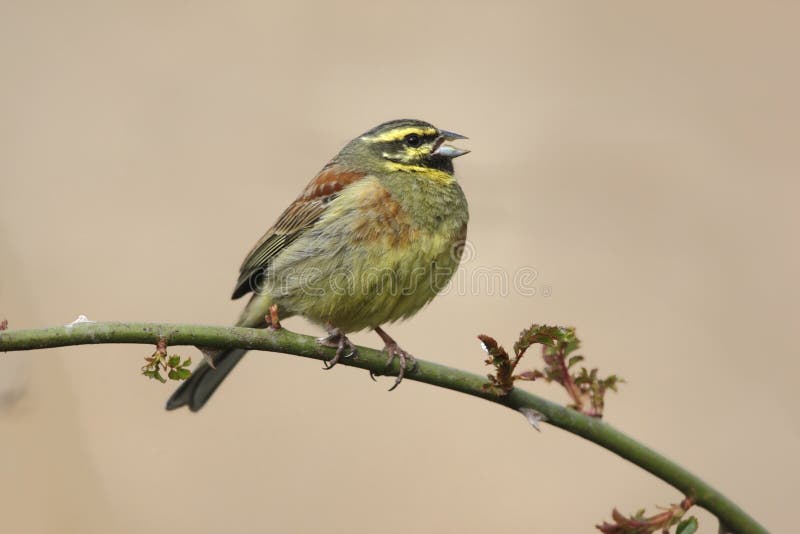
(287, 342)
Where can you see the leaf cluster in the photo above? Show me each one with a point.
(558, 344)
(661, 522)
(172, 365)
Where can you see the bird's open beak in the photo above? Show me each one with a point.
(447, 150)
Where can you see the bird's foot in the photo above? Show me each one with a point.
(344, 347)
(407, 362)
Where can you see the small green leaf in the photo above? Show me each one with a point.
(179, 374)
(174, 360)
(183, 374)
(575, 359)
(153, 373)
(187, 362)
(687, 526)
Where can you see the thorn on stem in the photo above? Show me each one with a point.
(208, 355)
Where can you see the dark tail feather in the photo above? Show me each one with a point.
(205, 380)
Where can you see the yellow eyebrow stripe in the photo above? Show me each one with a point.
(399, 133)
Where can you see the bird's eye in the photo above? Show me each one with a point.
(412, 140)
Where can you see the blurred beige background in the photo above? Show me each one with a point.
(644, 160)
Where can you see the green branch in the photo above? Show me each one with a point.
(590, 428)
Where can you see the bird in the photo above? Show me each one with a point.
(373, 238)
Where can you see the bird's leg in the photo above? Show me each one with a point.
(272, 319)
(407, 361)
(339, 341)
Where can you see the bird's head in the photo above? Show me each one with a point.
(406, 144)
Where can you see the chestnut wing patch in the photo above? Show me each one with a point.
(301, 215)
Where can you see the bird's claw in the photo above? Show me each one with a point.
(344, 347)
(407, 363)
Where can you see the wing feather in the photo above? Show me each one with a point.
(301, 215)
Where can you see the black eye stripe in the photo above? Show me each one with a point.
(423, 139)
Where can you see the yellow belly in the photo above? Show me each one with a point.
(373, 284)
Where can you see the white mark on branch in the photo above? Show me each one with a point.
(80, 320)
(533, 417)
